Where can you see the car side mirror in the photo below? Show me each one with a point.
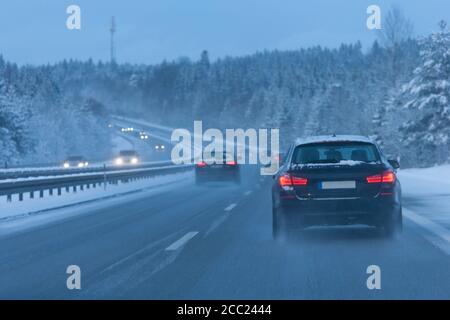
(394, 163)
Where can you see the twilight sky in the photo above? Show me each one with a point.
(149, 31)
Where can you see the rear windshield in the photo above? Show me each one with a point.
(335, 153)
(127, 153)
(211, 156)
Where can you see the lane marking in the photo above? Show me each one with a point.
(136, 254)
(247, 193)
(216, 224)
(221, 219)
(182, 241)
(442, 233)
(230, 207)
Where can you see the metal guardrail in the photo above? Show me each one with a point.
(44, 172)
(83, 181)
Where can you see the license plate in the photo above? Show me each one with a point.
(338, 185)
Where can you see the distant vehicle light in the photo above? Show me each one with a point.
(201, 164)
(81, 165)
(134, 160)
(231, 163)
(86, 164)
(119, 161)
(66, 165)
(163, 147)
(157, 147)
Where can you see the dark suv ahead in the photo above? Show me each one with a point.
(336, 180)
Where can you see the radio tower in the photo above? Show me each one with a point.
(112, 30)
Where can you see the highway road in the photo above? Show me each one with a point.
(212, 242)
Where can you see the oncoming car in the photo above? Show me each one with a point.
(221, 168)
(160, 147)
(75, 162)
(336, 180)
(127, 157)
(143, 135)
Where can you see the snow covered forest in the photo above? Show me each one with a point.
(397, 91)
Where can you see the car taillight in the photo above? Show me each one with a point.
(201, 164)
(231, 163)
(288, 180)
(389, 177)
(385, 177)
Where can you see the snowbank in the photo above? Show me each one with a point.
(434, 180)
(16, 209)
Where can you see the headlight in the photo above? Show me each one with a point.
(80, 165)
(163, 147)
(156, 147)
(119, 161)
(134, 160)
(86, 164)
(66, 165)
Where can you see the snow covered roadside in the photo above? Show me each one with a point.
(29, 207)
(428, 181)
(427, 192)
(426, 202)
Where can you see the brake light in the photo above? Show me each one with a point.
(299, 181)
(375, 179)
(231, 163)
(201, 164)
(388, 177)
(285, 180)
(385, 177)
(288, 180)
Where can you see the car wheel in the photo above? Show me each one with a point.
(280, 230)
(394, 226)
(276, 232)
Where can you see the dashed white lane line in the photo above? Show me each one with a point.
(230, 207)
(437, 230)
(182, 241)
(247, 193)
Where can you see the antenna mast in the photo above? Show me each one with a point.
(112, 30)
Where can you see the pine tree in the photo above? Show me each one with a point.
(429, 132)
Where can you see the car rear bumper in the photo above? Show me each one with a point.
(217, 174)
(370, 211)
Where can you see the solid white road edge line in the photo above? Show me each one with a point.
(230, 207)
(182, 241)
(436, 229)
